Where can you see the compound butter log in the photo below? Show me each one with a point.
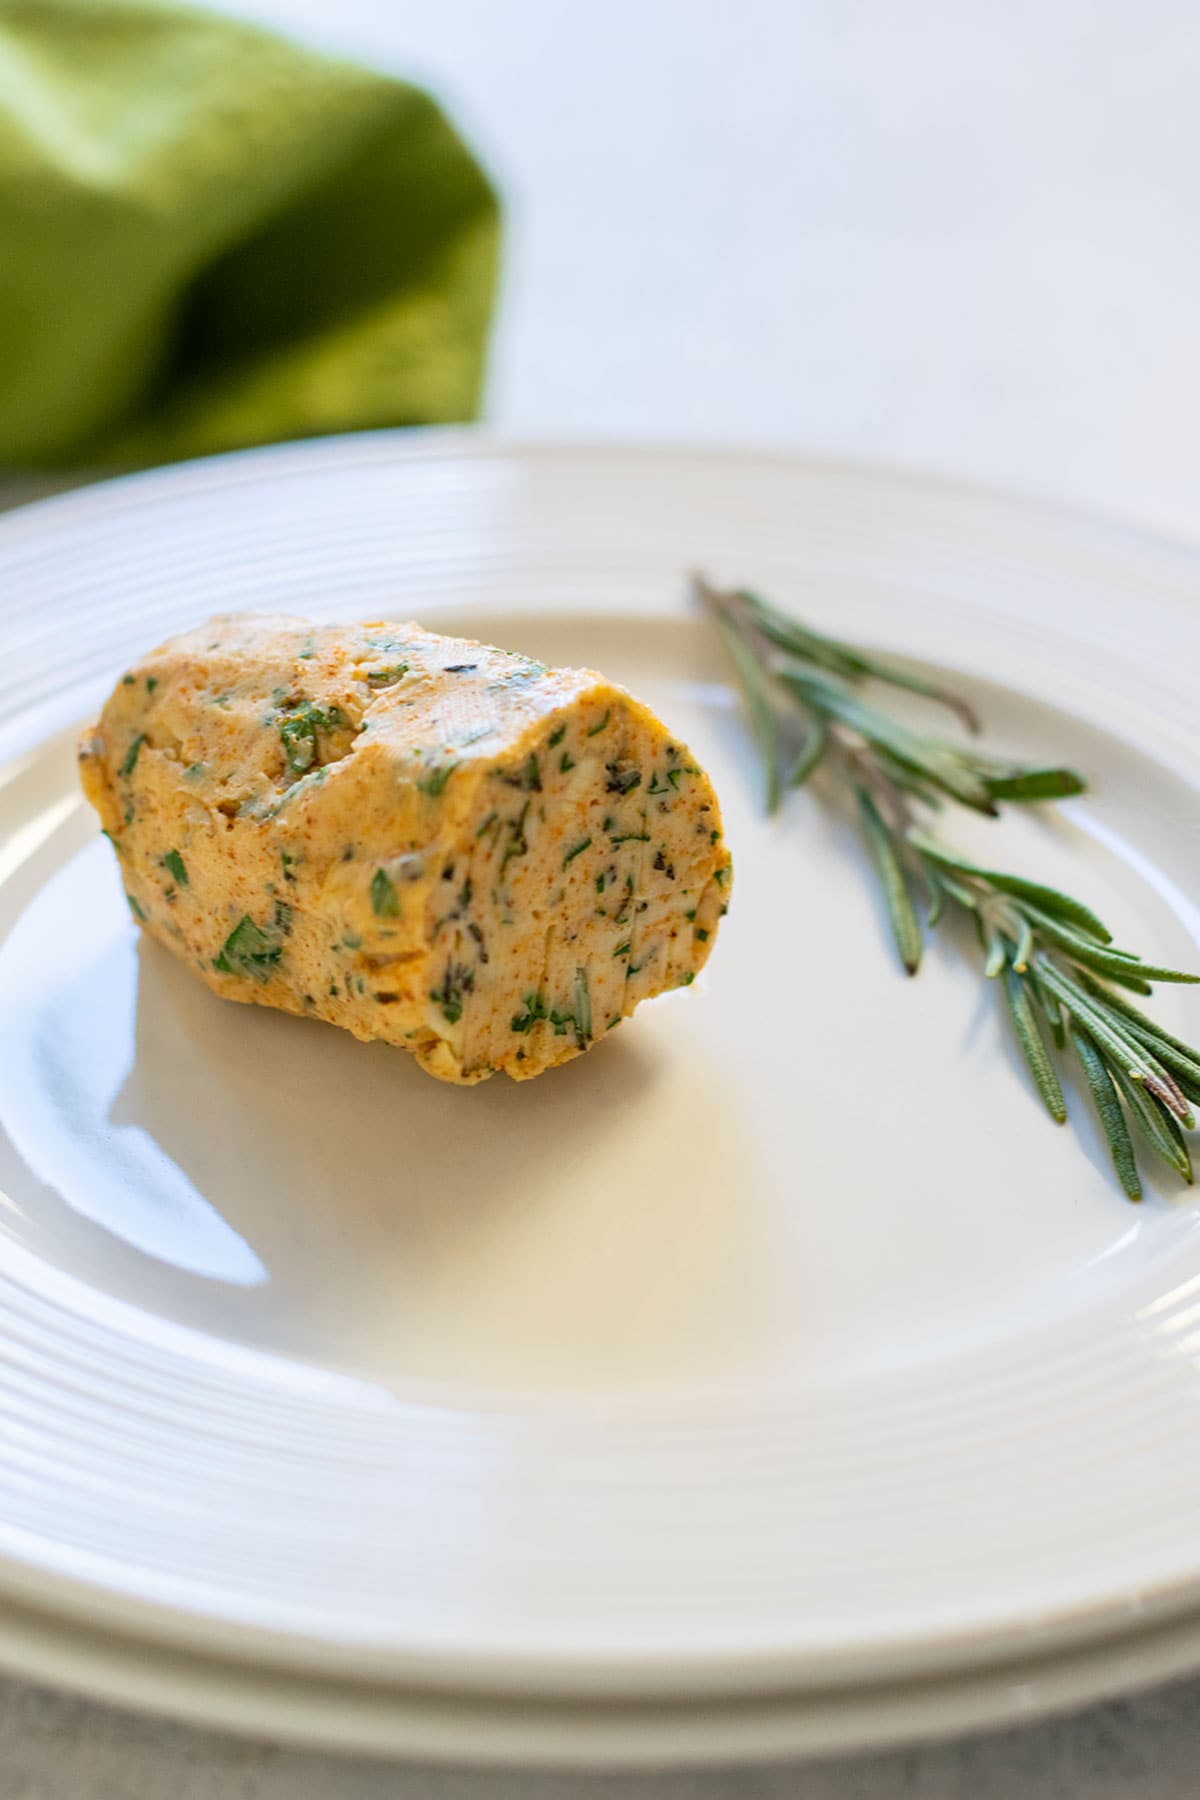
(419, 838)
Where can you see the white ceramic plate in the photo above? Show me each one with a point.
(780, 1356)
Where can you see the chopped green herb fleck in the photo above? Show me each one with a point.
(298, 731)
(535, 1009)
(173, 862)
(132, 754)
(722, 874)
(566, 763)
(597, 729)
(556, 737)
(127, 681)
(352, 941)
(702, 934)
(249, 950)
(385, 901)
(583, 1008)
(624, 949)
(622, 778)
(577, 850)
(600, 880)
(135, 908)
(518, 844)
(151, 683)
(487, 824)
(435, 781)
(384, 677)
(458, 980)
(631, 837)
(686, 980)
(194, 769)
(615, 1020)
(713, 836)
(529, 776)
(690, 915)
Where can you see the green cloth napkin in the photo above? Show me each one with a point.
(210, 237)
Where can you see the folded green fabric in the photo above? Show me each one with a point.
(210, 237)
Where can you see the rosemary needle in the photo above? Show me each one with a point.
(1055, 961)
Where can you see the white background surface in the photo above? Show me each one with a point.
(964, 235)
(952, 232)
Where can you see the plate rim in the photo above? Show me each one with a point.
(329, 1712)
(461, 443)
(465, 442)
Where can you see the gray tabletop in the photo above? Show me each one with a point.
(957, 235)
(53, 1748)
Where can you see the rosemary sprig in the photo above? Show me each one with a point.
(1054, 960)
